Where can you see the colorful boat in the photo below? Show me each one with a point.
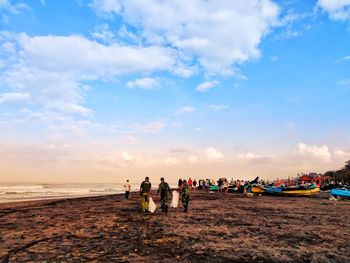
(341, 193)
(300, 192)
(257, 190)
(214, 188)
(272, 190)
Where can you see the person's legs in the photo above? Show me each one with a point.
(127, 194)
(162, 205)
(143, 203)
(146, 201)
(184, 201)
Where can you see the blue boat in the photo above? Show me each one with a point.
(273, 190)
(340, 193)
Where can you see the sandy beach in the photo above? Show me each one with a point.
(218, 228)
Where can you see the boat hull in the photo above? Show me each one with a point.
(257, 190)
(303, 192)
(340, 192)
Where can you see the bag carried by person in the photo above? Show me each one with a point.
(175, 199)
(151, 205)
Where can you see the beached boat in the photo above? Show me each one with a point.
(272, 190)
(300, 192)
(341, 193)
(214, 188)
(257, 190)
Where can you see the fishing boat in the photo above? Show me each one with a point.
(345, 193)
(214, 188)
(257, 189)
(272, 190)
(300, 192)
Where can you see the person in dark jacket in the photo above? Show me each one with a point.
(145, 191)
(185, 195)
(164, 190)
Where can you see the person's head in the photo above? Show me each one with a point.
(127, 180)
(147, 178)
(162, 179)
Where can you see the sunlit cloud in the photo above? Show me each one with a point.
(321, 152)
(205, 86)
(197, 27)
(337, 10)
(143, 83)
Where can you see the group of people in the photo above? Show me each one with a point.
(164, 191)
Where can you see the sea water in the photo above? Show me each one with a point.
(14, 192)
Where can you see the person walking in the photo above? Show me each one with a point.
(145, 191)
(163, 190)
(127, 188)
(185, 195)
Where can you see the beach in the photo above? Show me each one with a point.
(218, 228)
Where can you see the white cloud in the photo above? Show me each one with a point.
(77, 54)
(252, 156)
(53, 69)
(341, 153)
(127, 157)
(143, 83)
(321, 152)
(216, 34)
(106, 7)
(212, 154)
(337, 9)
(185, 109)
(218, 107)
(13, 97)
(205, 86)
(12, 8)
(103, 33)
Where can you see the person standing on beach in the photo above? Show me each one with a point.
(179, 183)
(185, 195)
(145, 191)
(190, 182)
(127, 188)
(163, 190)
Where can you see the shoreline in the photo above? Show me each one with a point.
(218, 228)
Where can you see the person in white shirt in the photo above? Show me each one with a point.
(127, 188)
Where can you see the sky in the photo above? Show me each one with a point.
(108, 90)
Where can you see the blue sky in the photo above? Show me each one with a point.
(103, 90)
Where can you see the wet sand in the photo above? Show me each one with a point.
(218, 228)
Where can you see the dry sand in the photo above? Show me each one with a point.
(218, 228)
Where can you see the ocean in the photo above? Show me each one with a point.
(14, 192)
